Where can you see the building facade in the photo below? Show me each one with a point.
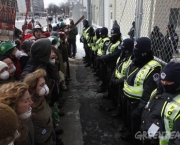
(36, 8)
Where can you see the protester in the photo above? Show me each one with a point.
(42, 118)
(8, 125)
(17, 96)
(72, 32)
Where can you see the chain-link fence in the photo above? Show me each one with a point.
(157, 19)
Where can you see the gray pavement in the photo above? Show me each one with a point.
(70, 123)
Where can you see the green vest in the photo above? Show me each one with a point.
(85, 33)
(112, 47)
(101, 46)
(136, 90)
(96, 46)
(92, 42)
(170, 113)
(120, 72)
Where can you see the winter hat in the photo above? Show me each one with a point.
(171, 72)
(85, 22)
(55, 28)
(46, 34)
(97, 33)
(115, 30)
(3, 65)
(62, 35)
(26, 45)
(103, 31)
(54, 33)
(8, 124)
(156, 28)
(143, 44)
(170, 27)
(127, 44)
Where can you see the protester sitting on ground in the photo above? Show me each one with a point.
(8, 125)
(16, 95)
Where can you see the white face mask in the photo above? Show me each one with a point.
(4, 75)
(12, 143)
(56, 46)
(52, 61)
(13, 69)
(26, 114)
(44, 91)
(18, 53)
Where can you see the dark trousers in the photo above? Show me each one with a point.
(133, 119)
(103, 72)
(72, 47)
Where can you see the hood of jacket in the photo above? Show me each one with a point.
(41, 50)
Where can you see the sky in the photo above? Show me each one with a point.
(57, 2)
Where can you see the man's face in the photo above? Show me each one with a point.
(38, 34)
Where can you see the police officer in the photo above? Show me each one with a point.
(103, 43)
(89, 37)
(139, 83)
(160, 117)
(86, 28)
(170, 43)
(110, 55)
(95, 45)
(117, 79)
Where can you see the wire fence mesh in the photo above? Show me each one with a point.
(157, 19)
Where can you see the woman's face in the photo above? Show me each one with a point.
(40, 85)
(9, 62)
(53, 54)
(24, 103)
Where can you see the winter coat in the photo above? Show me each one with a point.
(170, 46)
(73, 32)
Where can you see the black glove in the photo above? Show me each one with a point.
(102, 57)
(117, 81)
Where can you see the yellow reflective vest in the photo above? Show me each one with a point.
(169, 113)
(96, 46)
(136, 90)
(92, 42)
(101, 46)
(121, 68)
(112, 47)
(85, 33)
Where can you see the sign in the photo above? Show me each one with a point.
(7, 19)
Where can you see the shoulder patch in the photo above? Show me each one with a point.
(106, 43)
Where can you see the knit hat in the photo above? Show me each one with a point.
(170, 27)
(143, 44)
(115, 30)
(127, 44)
(26, 45)
(103, 31)
(171, 72)
(85, 22)
(3, 65)
(8, 124)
